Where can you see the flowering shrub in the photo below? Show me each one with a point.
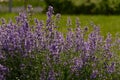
(41, 52)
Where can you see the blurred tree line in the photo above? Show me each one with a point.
(87, 7)
(70, 7)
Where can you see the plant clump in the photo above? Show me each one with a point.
(41, 52)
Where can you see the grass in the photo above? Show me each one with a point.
(107, 23)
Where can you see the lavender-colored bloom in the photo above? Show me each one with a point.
(54, 49)
(79, 41)
(87, 46)
(78, 65)
(29, 8)
(51, 75)
(111, 68)
(3, 21)
(59, 40)
(109, 55)
(50, 9)
(96, 29)
(69, 42)
(49, 16)
(17, 19)
(56, 45)
(94, 74)
(108, 42)
(92, 41)
(22, 16)
(3, 71)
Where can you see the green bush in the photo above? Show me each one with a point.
(87, 7)
(61, 6)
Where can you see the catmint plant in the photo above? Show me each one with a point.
(41, 52)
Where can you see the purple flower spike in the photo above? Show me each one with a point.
(49, 17)
(111, 68)
(94, 74)
(3, 21)
(3, 71)
(51, 75)
(29, 8)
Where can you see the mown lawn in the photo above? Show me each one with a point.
(107, 23)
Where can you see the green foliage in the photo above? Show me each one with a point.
(18, 3)
(85, 7)
(61, 6)
(73, 6)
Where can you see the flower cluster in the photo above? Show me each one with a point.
(42, 52)
(3, 71)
